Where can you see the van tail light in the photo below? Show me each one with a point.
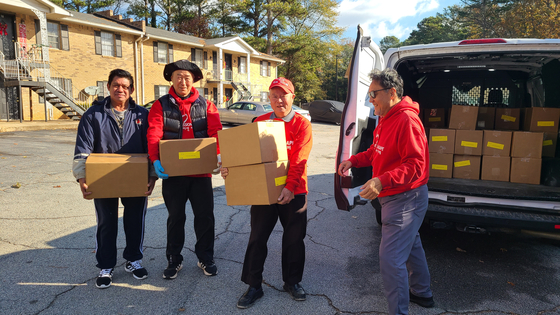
(557, 226)
(483, 41)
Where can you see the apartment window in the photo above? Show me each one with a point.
(196, 56)
(205, 64)
(160, 90)
(58, 35)
(265, 68)
(102, 90)
(242, 64)
(206, 96)
(264, 96)
(108, 44)
(163, 52)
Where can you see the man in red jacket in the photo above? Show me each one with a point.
(400, 161)
(291, 208)
(184, 114)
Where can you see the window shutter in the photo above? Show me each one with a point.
(238, 64)
(155, 52)
(261, 68)
(100, 89)
(118, 45)
(38, 32)
(97, 35)
(170, 54)
(205, 65)
(64, 37)
(268, 70)
(193, 55)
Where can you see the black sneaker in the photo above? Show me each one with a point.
(104, 279)
(209, 269)
(422, 301)
(296, 291)
(172, 269)
(136, 268)
(250, 297)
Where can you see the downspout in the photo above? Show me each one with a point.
(136, 63)
(142, 65)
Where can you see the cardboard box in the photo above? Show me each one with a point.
(495, 168)
(466, 166)
(527, 144)
(541, 119)
(496, 143)
(441, 141)
(546, 120)
(111, 175)
(181, 157)
(257, 184)
(486, 117)
(463, 117)
(434, 118)
(525, 171)
(550, 141)
(468, 142)
(259, 142)
(507, 119)
(441, 165)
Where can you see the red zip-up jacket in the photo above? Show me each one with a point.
(399, 153)
(155, 121)
(299, 142)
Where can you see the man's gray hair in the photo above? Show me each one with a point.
(388, 78)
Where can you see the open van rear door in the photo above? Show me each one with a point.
(358, 121)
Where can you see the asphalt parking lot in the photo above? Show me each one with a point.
(47, 239)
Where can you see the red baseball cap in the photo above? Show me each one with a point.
(282, 83)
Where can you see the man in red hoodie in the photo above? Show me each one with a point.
(184, 114)
(400, 165)
(291, 208)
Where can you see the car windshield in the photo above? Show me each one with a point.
(296, 107)
(267, 107)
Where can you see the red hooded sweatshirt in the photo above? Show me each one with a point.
(155, 120)
(399, 153)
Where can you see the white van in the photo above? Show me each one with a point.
(527, 71)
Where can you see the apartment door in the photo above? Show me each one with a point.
(8, 95)
(228, 69)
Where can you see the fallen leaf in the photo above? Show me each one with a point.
(15, 143)
(503, 250)
(57, 186)
(3, 158)
(481, 261)
(16, 185)
(182, 309)
(511, 283)
(460, 250)
(24, 156)
(354, 217)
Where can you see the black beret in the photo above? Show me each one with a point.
(182, 65)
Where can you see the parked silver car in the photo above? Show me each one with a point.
(245, 112)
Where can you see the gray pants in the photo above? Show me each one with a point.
(401, 248)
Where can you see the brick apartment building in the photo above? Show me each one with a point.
(55, 62)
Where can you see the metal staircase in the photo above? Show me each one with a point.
(243, 91)
(38, 75)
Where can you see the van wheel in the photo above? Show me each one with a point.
(253, 119)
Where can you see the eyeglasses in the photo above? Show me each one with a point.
(277, 97)
(372, 93)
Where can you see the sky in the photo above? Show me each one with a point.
(380, 18)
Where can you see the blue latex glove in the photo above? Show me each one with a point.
(159, 170)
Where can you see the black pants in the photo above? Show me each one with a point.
(108, 225)
(176, 191)
(293, 217)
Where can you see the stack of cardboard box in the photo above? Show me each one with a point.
(498, 150)
(257, 160)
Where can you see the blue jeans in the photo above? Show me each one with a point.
(401, 256)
